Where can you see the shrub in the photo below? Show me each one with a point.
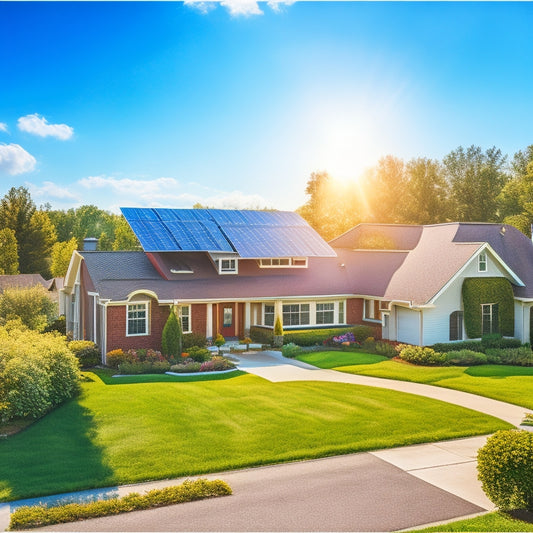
(144, 367)
(114, 358)
(466, 358)
(474, 346)
(385, 348)
(362, 332)
(193, 339)
(246, 341)
(186, 368)
(219, 340)
(87, 353)
(419, 355)
(278, 327)
(171, 337)
(505, 469)
(495, 340)
(217, 363)
(59, 325)
(199, 354)
(39, 516)
(291, 350)
(522, 356)
(261, 335)
(369, 345)
(312, 337)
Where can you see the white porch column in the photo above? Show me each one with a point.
(247, 318)
(209, 321)
(278, 311)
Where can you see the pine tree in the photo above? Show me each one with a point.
(171, 340)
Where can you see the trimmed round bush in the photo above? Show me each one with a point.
(291, 350)
(505, 469)
(199, 354)
(466, 358)
(420, 355)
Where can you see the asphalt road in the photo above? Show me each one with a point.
(356, 492)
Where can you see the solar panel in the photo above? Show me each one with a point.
(252, 234)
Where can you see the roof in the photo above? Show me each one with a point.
(22, 281)
(250, 234)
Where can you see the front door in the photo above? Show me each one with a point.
(227, 319)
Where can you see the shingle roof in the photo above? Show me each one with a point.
(22, 281)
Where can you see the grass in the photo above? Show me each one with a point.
(512, 384)
(127, 433)
(496, 521)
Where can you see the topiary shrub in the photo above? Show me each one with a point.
(87, 353)
(478, 291)
(466, 358)
(505, 469)
(199, 354)
(420, 355)
(291, 350)
(171, 338)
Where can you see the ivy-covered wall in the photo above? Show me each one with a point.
(477, 291)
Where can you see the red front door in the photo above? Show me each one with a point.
(227, 319)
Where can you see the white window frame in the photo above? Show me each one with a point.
(330, 309)
(491, 318)
(232, 266)
(185, 315)
(146, 306)
(265, 313)
(339, 312)
(299, 313)
(283, 262)
(369, 311)
(482, 262)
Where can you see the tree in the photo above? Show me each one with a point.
(32, 306)
(61, 255)
(125, 239)
(476, 178)
(171, 339)
(426, 193)
(33, 230)
(9, 263)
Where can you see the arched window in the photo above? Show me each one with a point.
(456, 326)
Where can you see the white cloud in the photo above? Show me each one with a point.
(15, 160)
(50, 190)
(237, 8)
(38, 125)
(3, 126)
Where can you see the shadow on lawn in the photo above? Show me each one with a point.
(499, 371)
(56, 454)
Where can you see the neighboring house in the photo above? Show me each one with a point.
(53, 286)
(226, 271)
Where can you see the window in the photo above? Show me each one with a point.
(370, 310)
(456, 326)
(228, 317)
(283, 262)
(268, 319)
(137, 323)
(482, 262)
(489, 319)
(185, 314)
(227, 266)
(295, 314)
(341, 312)
(325, 313)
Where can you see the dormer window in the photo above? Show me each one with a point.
(228, 266)
(482, 262)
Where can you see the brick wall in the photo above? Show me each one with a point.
(116, 328)
(354, 315)
(199, 318)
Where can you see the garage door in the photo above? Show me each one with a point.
(408, 327)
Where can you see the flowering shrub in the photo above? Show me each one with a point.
(144, 367)
(186, 368)
(217, 363)
(115, 358)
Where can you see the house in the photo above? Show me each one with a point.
(24, 281)
(226, 271)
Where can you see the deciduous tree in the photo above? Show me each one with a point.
(9, 263)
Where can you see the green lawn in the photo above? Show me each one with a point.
(127, 433)
(512, 384)
(487, 522)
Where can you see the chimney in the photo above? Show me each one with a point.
(90, 244)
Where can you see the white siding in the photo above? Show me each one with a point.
(407, 325)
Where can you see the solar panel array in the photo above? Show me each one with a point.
(251, 234)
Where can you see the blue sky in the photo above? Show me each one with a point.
(234, 104)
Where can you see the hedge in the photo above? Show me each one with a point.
(478, 291)
(311, 337)
(39, 516)
(261, 335)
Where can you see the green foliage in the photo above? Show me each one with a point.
(61, 254)
(40, 516)
(261, 335)
(193, 339)
(521, 356)
(196, 353)
(87, 353)
(291, 350)
(189, 367)
(278, 327)
(385, 348)
(312, 337)
(9, 262)
(32, 305)
(114, 358)
(59, 325)
(144, 367)
(419, 355)
(474, 346)
(217, 364)
(505, 469)
(466, 358)
(478, 291)
(495, 340)
(125, 239)
(362, 332)
(219, 340)
(171, 339)
(37, 372)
